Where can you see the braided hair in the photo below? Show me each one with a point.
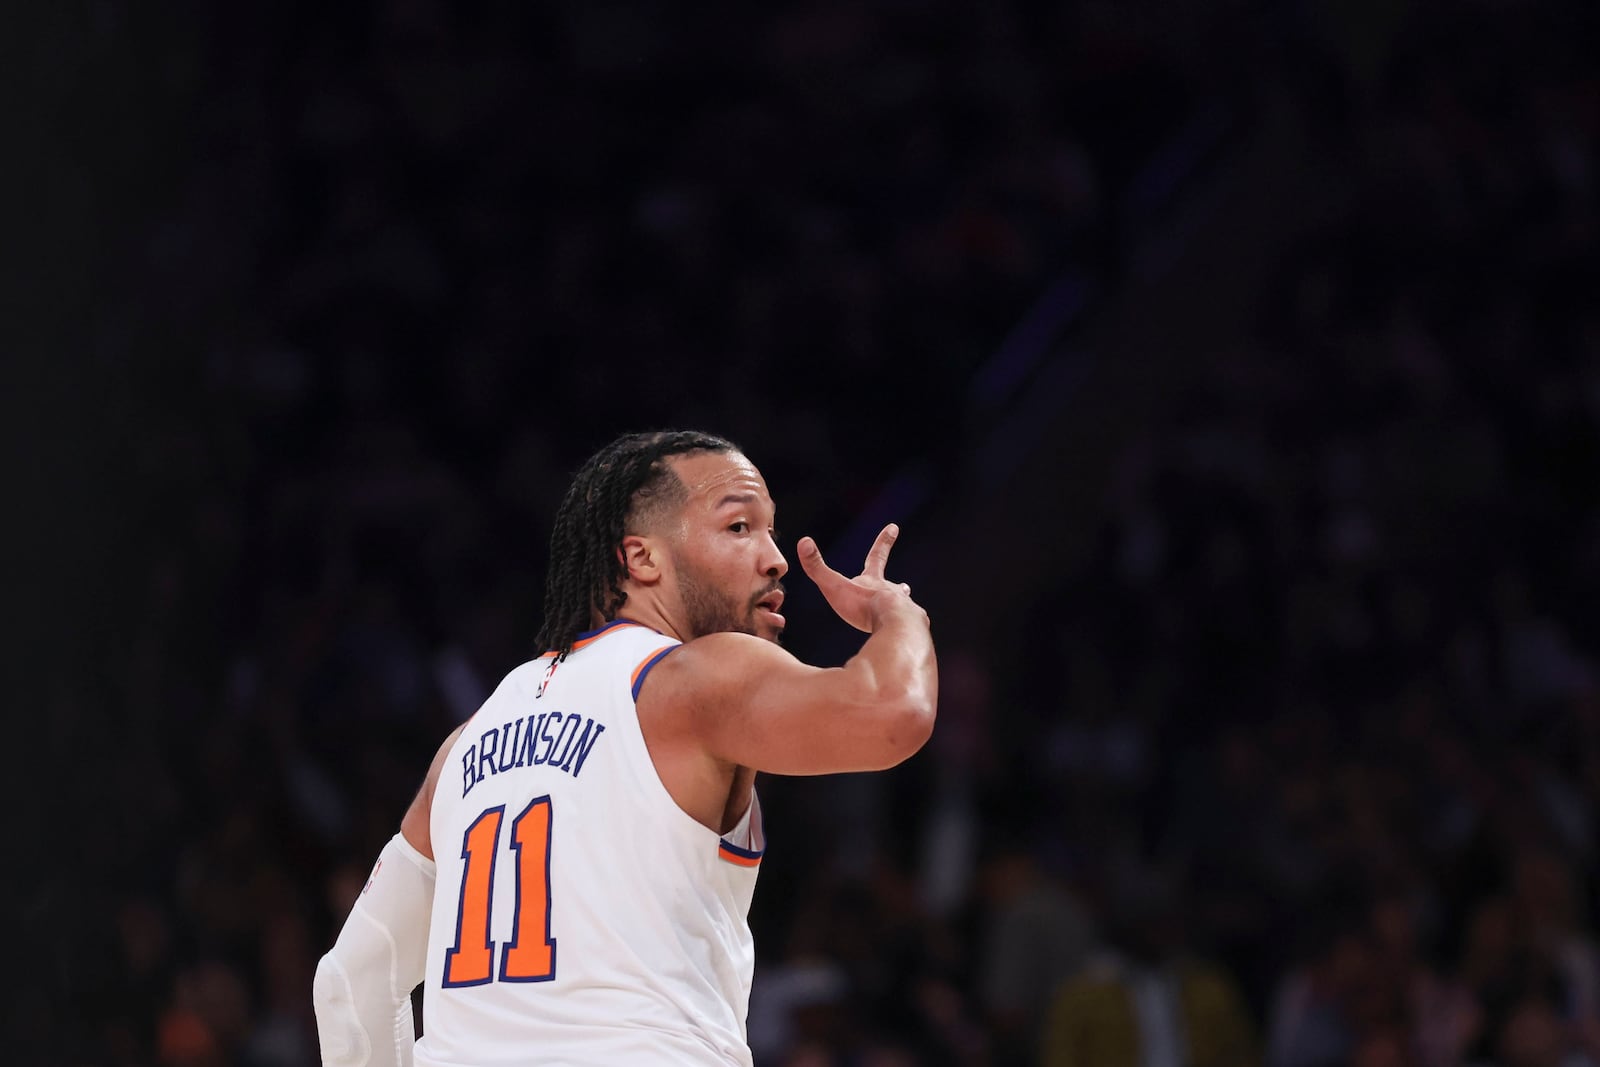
(586, 570)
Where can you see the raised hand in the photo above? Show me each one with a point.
(855, 599)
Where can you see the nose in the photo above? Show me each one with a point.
(777, 566)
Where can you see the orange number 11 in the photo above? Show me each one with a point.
(530, 955)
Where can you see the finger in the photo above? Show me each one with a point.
(813, 564)
(878, 555)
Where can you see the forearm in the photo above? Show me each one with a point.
(896, 665)
(362, 988)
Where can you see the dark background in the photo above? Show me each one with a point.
(1233, 369)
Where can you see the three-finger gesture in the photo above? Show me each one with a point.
(853, 599)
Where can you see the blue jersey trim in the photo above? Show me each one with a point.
(644, 670)
(739, 857)
(743, 853)
(612, 625)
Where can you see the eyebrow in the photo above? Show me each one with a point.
(737, 498)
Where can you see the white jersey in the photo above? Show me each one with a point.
(580, 917)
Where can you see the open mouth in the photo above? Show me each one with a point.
(770, 605)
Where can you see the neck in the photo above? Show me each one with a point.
(643, 606)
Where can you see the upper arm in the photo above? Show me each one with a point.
(415, 825)
(749, 702)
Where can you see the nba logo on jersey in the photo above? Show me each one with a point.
(549, 673)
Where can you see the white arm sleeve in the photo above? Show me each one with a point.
(362, 989)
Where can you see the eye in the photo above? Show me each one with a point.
(739, 527)
(775, 534)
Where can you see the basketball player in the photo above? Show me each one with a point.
(573, 879)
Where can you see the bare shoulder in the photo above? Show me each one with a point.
(415, 826)
(720, 666)
(709, 687)
(439, 756)
(730, 648)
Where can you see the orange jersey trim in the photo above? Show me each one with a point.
(639, 672)
(739, 857)
(598, 634)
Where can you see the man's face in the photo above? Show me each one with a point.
(725, 552)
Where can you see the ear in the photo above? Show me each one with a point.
(642, 556)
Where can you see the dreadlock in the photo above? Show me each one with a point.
(585, 572)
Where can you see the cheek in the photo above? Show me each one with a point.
(720, 557)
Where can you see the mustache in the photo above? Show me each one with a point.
(775, 587)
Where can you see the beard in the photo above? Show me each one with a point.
(712, 612)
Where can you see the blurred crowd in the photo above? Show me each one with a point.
(1300, 770)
